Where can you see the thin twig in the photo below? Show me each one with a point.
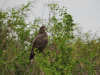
(3, 5)
(33, 14)
(96, 32)
(12, 72)
(26, 67)
(44, 2)
(20, 67)
(42, 15)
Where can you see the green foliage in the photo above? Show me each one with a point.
(64, 55)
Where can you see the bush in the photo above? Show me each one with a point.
(65, 54)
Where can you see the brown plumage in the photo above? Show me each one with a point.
(39, 42)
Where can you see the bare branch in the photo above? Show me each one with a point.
(26, 67)
(42, 15)
(3, 5)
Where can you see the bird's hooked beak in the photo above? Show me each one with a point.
(44, 28)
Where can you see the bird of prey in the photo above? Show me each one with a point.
(39, 42)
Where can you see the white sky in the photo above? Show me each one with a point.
(85, 12)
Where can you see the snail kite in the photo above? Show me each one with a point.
(39, 42)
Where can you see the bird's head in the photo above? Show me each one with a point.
(43, 28)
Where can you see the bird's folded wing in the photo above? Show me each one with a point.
(37, 38)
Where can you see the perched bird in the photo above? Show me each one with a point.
(39, 42)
